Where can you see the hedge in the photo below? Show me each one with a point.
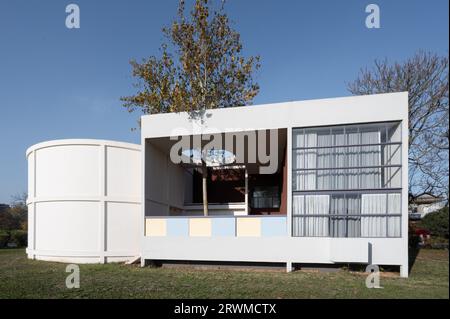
(436, 223)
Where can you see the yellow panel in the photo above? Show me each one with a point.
(200, 227)
(155, 227)
(248, 227)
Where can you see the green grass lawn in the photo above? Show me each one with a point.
(23, 278)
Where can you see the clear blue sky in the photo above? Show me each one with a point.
(58, 83)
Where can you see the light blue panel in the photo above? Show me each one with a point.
(177, 227)
(273, 226)
(223, 227)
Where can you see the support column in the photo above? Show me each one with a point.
(246, 191)
(289, 266)
(289, 180)
(102, 205)
(404, 271)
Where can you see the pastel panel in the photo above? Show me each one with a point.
(248, 227)
(223, 227)
(273, 226)
(178, 227)
(155, 227)
(200, 227)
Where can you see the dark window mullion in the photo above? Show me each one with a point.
(351, 167)
(349, 145)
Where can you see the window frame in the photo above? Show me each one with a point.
(359, 191)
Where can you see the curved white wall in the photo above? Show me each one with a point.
(84, 201)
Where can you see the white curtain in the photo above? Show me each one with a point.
(353, 158)
(380, 204)
(330, 149)
(339, 158)
(370, 156)
(324, 160)
(373, 204)
(394, 207)
(348, 223)
(305, 159)
(305, 205)
(298, 208)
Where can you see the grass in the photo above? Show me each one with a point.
(24, 278)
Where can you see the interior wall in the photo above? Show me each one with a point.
(164, 183)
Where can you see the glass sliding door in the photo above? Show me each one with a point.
(346, 181)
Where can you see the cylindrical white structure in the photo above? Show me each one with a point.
(84, 201)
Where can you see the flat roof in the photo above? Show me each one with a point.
(321, 112)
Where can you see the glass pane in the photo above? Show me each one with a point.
(370, 155)
(373, 204)
(316, 226)
(298, 159)
(354, 156)
(324, 181)
(298, 138)
(310, 138)
(304, 180)
(353, 178)
(339, 179)
(317, 204)
(394, 227)
(298, 205)
(298, 227)
(373, 226)
(392, 177)
(372, 133)
(353, 135)
(393, 132)
(354, 226)
(392, 154)
(339, 157)
(324, 158)
(370, 178)
(339, 137)
(394, 204)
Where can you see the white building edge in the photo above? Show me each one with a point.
(338, 195)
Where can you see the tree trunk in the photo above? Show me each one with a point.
(205, 188)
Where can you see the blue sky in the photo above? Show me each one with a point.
(58, 83)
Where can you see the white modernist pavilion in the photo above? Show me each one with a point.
(308, 182)
(338, 193)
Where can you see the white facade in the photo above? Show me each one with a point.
(84, 201)
(265, 238)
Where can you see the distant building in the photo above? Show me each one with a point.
(425, 204)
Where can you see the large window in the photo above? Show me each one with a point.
(347, 181)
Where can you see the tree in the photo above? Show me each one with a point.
(15, 216)
(19, 210)
(201, 67)
(425, 77)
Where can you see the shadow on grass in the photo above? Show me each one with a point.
(412, 255)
